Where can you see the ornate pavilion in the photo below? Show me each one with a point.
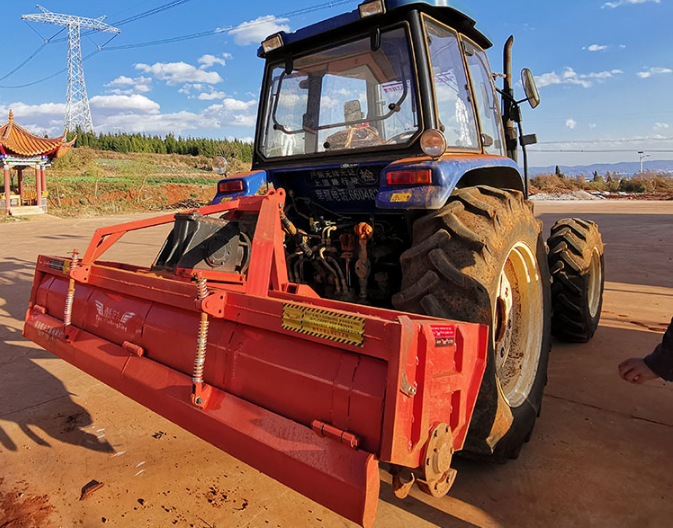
(21, 150)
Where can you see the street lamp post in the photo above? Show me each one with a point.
(642, 159)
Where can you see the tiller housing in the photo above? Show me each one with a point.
(312, 392)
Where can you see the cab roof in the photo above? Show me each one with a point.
(440, 9)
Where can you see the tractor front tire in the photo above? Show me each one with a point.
(576, 262)
(482, 259)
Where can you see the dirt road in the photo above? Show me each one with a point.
(600, 455)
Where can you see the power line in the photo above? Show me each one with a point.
(34, 54)
(578, 151)
(623, 140)
(150, 12)
(296, 12)
(211, 32)
(56, 74)
(128, 20)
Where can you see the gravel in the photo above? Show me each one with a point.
(565, 197)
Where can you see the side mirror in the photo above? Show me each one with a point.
(529, 86)
(220, 165)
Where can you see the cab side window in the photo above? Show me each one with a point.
(454, 106)
(486, 101)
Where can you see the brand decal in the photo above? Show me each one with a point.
(111, 317)
(52, 332)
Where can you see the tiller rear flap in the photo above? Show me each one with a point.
(213, 336)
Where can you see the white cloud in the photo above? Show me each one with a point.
(124, 103)
(120, 81)
(571, 123)
(246, 139)
(596, 47)
(142, 88)
(135, 113)
(179, 72)
(570, 76)
(255, 31)
(592, 126)
(211, 96)
(653, 71)
(22, 110)
(208, 60)
(175, 123)
(231, 104)
(126, 85)
(618, 3)
(661, 126)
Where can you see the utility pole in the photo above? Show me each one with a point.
(77, 111)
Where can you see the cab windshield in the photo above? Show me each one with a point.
(359, 95)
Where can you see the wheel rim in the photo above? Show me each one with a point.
(518, 325)
(595, 280)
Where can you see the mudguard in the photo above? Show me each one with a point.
(252, 183)
(446, 173)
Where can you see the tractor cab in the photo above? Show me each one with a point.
(376, 82)
(345, 100)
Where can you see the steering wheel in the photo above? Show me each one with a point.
(398, 137)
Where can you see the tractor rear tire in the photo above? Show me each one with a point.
(576, 262)
(482, 259)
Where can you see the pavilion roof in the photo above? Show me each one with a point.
(18, 141)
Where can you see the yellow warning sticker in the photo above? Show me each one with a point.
(400, 197)
(342, 328)
(66, 267)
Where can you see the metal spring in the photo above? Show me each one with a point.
(67, 312)
(201, 344)
(75, 260)
(202, 288)
(202, 340)
(70, 298)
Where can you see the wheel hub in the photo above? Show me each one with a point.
(518, 322)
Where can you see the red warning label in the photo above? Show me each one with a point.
(445, 336)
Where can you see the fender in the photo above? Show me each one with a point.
(446, 173)
(252, 183)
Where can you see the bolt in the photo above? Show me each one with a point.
(199, 401)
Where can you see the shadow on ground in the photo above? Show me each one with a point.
(26, 388)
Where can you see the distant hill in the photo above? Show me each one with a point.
(624, 169)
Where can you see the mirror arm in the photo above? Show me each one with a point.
(506, 95)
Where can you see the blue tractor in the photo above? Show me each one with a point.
(398, 154)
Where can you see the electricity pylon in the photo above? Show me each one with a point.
(77, 111)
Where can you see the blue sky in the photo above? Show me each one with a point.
(605, 69)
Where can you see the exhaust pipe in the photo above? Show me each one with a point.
(507, 106)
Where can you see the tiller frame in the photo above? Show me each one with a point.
(312, 392)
